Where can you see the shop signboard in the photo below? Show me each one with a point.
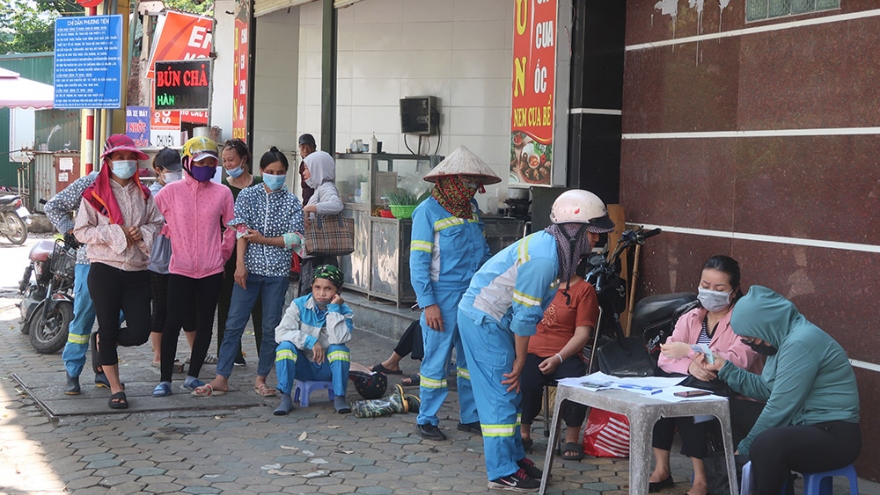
(165, 128)
(534, 84)
(137, 125)
(181, 36)
(182, 85)
(88, 62)
(194, 117)
(240, 70)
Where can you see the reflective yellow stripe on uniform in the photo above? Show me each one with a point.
(285, 354)
(339, 356)
(464, 373)
(421, 246)
(77, 339)
(445, 223)
(525, 299)
(522, 254)
(426, 382)
(498, 430)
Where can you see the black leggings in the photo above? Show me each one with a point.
(532, 383)
(188, 298)
(743, 414)
(411, 342)
(159, 289)
(113, 290)
(807, 449)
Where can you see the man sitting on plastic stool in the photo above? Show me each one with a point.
(311, 340)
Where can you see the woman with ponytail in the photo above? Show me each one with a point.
(269, 224)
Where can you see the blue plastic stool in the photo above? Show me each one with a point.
(814, 483)
(821, 483)
(302, 390)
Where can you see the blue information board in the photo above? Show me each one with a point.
(88, 62)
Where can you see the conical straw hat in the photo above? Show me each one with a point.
(463, 162)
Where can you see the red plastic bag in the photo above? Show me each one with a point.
(295, 264)
(606, 434)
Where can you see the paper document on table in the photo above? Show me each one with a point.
(586, 382)
(642, 385)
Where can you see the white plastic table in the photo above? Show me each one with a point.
(642, 412)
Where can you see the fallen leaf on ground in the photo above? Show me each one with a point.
(308, 453)
(281, 473)
(318, 461)
(303, 436)
(285, 447)
(314, 474)
(271, 466)
(340, 451)
(333, 427)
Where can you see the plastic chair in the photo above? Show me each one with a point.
(821, 483)
(302, 390)
(814, 483)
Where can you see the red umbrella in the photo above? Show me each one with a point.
(18, 92)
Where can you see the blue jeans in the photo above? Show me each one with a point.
(272, 290)
(80, 328)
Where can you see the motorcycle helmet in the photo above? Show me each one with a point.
(198, 148)
(369, 385)
(579, 206)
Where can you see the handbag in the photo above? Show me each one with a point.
(625, 357)
(330, 236)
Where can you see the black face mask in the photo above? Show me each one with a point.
(766, 350)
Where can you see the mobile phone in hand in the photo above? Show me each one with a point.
(692, 393)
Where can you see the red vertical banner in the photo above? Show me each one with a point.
(240, 71)
(534, 80)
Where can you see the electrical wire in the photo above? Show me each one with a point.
(407, 145)
(439, 140)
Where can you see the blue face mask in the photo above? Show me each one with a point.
(235, 172)
(274, 182)
(124, 169)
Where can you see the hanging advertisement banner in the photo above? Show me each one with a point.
(137, 125)
(534, 84)
(240, 70)
(165, 128)
(181, 36)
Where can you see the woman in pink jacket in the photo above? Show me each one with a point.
(196, 211)
(708, 324)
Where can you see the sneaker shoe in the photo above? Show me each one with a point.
(72, 387)
(430, 432)
(472, 428)
(530, 468)
(209, 359)
(516, 482)
(239, 361)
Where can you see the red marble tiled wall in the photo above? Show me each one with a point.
(824, 187)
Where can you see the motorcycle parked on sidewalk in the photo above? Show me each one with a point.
(14, 219)
(653, 317)
(47, 299)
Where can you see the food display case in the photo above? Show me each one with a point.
(379, 265)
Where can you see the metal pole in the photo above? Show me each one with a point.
(252, 69)
(328, 78)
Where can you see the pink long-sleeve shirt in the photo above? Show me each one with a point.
(724, 342)
(195, 217)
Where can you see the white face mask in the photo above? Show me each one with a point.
(170, 177)
(713, 300)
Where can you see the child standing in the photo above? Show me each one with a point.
(311, 340)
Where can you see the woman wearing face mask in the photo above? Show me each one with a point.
(269, 223)
(196, 212)
(708, 324)
(811, 421)
(118, 220)
(319, 173)
(167, 167)
(237, 163)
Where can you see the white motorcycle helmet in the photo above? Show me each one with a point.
(579, 206)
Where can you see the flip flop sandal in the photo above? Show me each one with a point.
(118, 401)
(381, 369)
(207, 391)
(263, 390)
(567, 447)
(414, 381)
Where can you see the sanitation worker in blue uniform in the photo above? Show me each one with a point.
(448, 246)
(499, 312)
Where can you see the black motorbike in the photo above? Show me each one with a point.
(47, 297)
(14, 219)
(653, 317)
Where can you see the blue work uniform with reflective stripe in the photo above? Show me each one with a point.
(445, 252)
(506, 297)
(303, 325)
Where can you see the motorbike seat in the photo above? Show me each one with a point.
(655, 309)
(8, 199)
(42, 250)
